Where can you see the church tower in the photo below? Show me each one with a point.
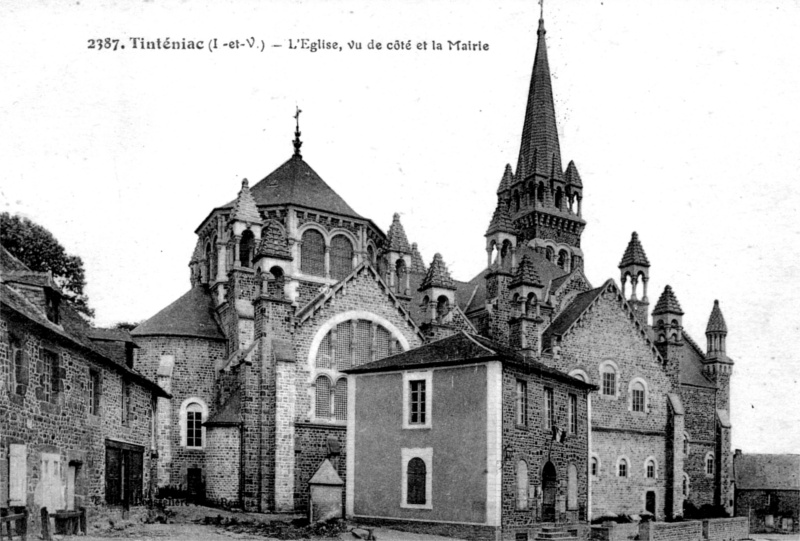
(717, 365)
(545, 202)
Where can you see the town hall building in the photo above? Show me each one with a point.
(291, 290)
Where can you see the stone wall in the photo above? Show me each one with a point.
(691, 530)
(472, 532)
(222, 464)
(700, 426)
(761, 505)
(63, 426)
(311, 449)
(726, 529)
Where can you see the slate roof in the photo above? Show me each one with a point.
(73, 329)
(572, 312)
(634, 253)
(417, 264)
(508, 178)
(396, 239)
(667, 303)
(766, 472)
(691, 358)
(273, 242)
(114, 335)
(572, 177)
(540, 147)
(244, 208)
(438, 275)
(501, 221)
(461, 348)
(229, 414)
(295, 183)
(526, 273)
(31, 278)
(716, 323)
(8, 262)
(191, 315)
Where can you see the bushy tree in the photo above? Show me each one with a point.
(37, 248)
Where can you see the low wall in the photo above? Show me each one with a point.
(458, 531)
(719, 529)
(613, 531)
(726, 529)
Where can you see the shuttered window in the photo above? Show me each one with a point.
(17, 474)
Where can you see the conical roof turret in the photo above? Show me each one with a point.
(417, 264)
(540, 150)
(526, 274)
(507, 180)
(668, 303)
(244, 208)
(501, 221)
(438, 275)
(397, 241)
(634, 254)
(572, 177)
(716, 322)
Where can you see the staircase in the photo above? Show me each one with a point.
(553, 532)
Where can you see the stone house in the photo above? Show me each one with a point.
(767, 491)
(290, 287)
(463, 436)
(76, 419)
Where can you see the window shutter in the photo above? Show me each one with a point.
(113, 471)
(18, 474)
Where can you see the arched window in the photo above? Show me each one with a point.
(650, 468)
(505, 254)
(312, 253)
(341, 257)
(371, 255)
(346, 342)
(322, 404)
(416, 474)
(559, 198)
(577, 373)
(209, 278)
(531, 193)
(516, 201)
(608, 375)
(213, 262)
(540, 192)
(685, 485)
(522, 485)
(442, 306)
(563, 259)
(549, 253)
(572, 487)
(709, 462)
(193, 413)
(530, 305)
(400, 275)
(638, 396)
(246, 246)
(594, 466)
(622, 467)
(686, 444)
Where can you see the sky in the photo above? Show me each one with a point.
(681, 116)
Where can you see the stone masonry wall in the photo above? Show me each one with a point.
(192, 377)
(758, 505)
(725, 529)
(311, 448)
(64, 425)
(534, 444)
(700, 426)
(671, 531)
(222, 464)
(608, 332)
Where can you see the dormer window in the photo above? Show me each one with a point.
(52, 301)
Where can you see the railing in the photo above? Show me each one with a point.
(19, 519)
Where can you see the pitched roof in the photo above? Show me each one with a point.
(501, 220)
(396, 240)
(114, 335)
(572, 177)
(295, 183)
(8, 262)
(273, 242)
(191, 315)
(763, 471)
(244, 208)
(229, 414)
(526, 273)
(716, 323)
(438, 275)
(540, 148)
(634, 253)
(667, 303)
(417, 264)
(690, 358)
(573, 311)
(460, 348)
(508, 178)
(326, 475)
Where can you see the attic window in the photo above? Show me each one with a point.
(52, 302)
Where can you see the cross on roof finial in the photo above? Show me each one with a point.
(297, 142)
(541, 9)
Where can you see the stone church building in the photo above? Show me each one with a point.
(290, 287)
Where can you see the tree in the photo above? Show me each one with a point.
(126, 325)
(38, 249)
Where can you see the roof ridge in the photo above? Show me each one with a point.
(465, 333)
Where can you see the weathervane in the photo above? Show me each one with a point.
(297, 142)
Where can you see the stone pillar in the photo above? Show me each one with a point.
(285, 394)
(222, 260)
(327, 261)
(164, 422)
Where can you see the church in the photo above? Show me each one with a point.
(291, 288)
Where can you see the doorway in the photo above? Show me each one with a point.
(650, 502)
(549, 490)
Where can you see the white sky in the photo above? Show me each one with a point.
(682, 117)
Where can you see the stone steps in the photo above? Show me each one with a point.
(551, 532)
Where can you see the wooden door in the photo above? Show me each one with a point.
(549, 491)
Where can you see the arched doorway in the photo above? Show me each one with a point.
(549, 490)
(650, 502)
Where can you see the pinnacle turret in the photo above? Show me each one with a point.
(507, 180)
(417, 264)
(716, 322)
(438, 275)
(396, 240)
(244, 208)
(273, 242)
(667, 303)
(634, 254)
(526, 274)
(572, 177)
(501, 221)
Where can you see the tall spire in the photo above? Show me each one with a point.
(540, 148)
(297, 142)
